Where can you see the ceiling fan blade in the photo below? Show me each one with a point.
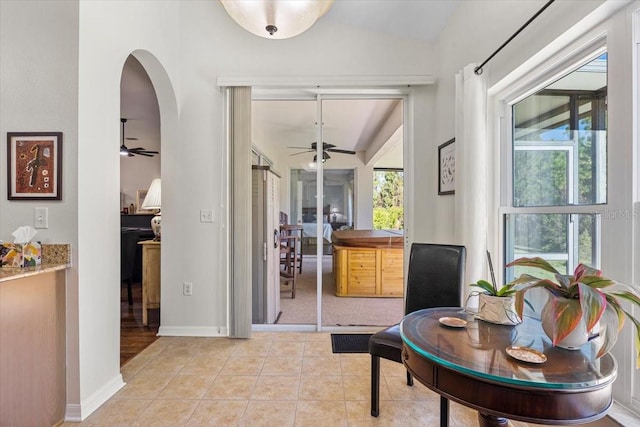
(131, 138)
(326, 145)
(142, 150)
(302, 152)
(300, 148)
(337, 150)
(144, 154)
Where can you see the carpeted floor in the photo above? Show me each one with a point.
(336, 311)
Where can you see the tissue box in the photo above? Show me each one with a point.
(20, 255)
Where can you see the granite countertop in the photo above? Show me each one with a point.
(12, 273)
(54, 257)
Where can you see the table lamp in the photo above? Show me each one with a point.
(334, 214)
(153, 201)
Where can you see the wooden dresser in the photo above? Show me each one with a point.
(368, 263)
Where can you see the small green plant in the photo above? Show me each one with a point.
(488, 288)
(586, 294)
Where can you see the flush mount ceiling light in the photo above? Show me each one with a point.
(276, 19)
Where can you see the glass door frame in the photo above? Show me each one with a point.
(319, 95)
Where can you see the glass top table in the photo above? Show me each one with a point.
(446, 358)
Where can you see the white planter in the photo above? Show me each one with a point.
(500, 310)
(576, 339)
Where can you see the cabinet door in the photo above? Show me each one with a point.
(361, 267)
(391, 274)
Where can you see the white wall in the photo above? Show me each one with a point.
(108, 33)
(39, 93)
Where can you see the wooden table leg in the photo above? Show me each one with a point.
(486, 420)
(145, 320)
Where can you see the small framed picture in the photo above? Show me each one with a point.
(34, 166)
(140, 195)
(447, 167)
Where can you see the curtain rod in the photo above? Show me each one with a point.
(478, 69)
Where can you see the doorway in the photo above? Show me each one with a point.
(358, 133)
(139, 165)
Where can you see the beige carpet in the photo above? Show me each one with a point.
(336, 311)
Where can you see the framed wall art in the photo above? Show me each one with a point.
(140, 195)
(447, 167)
(34, 166)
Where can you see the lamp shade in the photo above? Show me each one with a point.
(153, 199)
(276, 19)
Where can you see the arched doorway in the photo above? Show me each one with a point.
(149, 111)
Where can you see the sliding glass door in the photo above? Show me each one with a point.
(326, 188)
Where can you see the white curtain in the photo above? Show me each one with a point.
(471, 180)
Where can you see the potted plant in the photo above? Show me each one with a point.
(585, 296)
(496, 305)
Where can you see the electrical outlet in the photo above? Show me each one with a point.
(187, 289)
(206, 215)
(41, 217)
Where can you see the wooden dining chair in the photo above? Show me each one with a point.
(289, 248)
(435, 279)
(286, 245)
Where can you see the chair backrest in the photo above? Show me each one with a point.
(129, 238)
(436, 276)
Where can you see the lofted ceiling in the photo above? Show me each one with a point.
(412, 19)
(350, 125)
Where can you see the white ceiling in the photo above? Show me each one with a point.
(347, 124)
(413, 19)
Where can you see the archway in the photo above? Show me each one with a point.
(149, 105)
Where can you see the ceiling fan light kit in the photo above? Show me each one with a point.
(130, 152)
(276, 19)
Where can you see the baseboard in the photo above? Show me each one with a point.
(193, 331)
(78, 413)
(624, 415)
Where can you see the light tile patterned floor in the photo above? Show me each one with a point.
(273, 379)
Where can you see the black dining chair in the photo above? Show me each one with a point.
(435, 279)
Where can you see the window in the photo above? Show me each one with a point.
(388, 211)
(559, 170)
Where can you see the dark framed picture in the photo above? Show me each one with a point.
(447, 167)
(34, 169)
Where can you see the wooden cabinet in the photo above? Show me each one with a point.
(150, 277)
(32, 349)
(368, 272)
(368, 263)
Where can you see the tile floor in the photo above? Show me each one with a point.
(274, 379)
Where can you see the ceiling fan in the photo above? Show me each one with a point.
(124, 151)
(326, 148)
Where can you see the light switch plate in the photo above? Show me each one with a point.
(206, 215)
(41, 219)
